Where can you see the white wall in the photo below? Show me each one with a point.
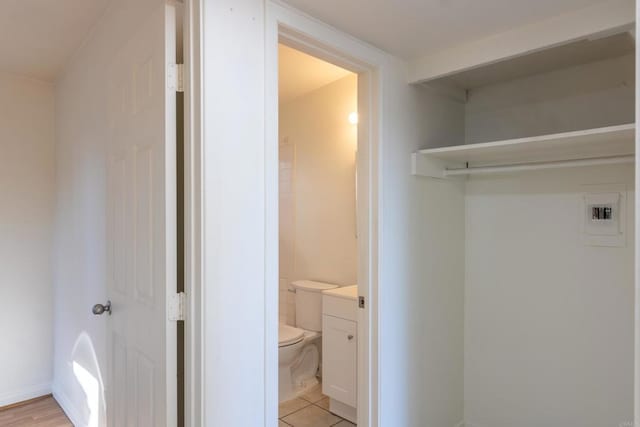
(317, 193)
(234, 329)
(418, 314)
(80, 252)
(27, 186)
(587, 96)
(421, 293)
(548, 320)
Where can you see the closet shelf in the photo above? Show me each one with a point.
(607, 145)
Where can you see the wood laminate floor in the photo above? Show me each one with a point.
(41, 412)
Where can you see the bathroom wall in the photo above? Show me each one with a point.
(317, 189)
(287, 212)
(27, 188)
(548, 320)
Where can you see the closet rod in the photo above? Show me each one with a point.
(541, 165)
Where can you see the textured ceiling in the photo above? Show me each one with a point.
(37, 37)
(413, 28)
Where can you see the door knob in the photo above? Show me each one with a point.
(99, 309)
(349, 337)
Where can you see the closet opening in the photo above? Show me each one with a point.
(535, 175)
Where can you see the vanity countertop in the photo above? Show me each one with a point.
(346, 292)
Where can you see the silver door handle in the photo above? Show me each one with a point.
(99, 309)
(349, 337)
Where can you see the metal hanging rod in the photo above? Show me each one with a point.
(540, 165)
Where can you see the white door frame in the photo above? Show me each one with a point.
(193, 230)
(306, 34)
(636, 382)
(372, 66)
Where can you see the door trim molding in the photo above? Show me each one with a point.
(193, 232)
(285, 24)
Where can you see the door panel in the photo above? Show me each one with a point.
(117, 407)
(142, 227)
(118, 215)
(144, 224)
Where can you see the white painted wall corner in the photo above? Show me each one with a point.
(69, 408)
(25, 393)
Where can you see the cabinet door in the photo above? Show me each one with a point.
(339, 359)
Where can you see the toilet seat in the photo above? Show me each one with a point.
(288, 335)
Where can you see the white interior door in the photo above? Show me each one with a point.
(142, 227)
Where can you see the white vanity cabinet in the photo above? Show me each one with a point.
(340, 350)
(340, 359)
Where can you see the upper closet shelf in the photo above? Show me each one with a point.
(608, 145)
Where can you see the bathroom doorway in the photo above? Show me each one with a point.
(318, 241)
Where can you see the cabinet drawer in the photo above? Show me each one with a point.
(340, 307)
(339, 359)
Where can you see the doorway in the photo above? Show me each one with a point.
(318, 241)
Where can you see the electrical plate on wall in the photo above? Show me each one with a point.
(604, 215)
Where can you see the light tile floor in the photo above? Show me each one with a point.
(309, 410)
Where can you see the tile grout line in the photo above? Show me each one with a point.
(297, 410)
(340, 419)
(317, 406)
(326, 410)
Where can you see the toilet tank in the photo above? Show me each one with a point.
(309, 303)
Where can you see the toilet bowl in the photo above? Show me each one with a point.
(290, 342)
(298, 360)
(298, 347)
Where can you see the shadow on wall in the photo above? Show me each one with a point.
(87, 373)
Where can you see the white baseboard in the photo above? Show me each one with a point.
(26, 393)
(68, 407)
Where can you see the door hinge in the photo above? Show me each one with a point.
(360, 302)
(175, 77)
(176, 306)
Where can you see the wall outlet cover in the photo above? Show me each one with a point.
(604, 215)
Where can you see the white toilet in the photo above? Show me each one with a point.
(298, 354)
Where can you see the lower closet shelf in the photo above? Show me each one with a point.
(607, 145)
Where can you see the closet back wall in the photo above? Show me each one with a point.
(592, 95)
(26, 219)
(548, 320)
